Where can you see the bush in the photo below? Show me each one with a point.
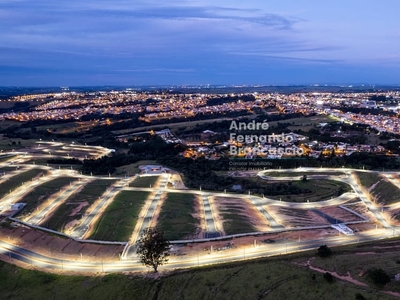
(328, 277)
(324, 251)
(378, 276)
(360, 297)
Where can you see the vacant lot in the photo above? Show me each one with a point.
(176, 216)
(77, 204)
(238, 216)
(385, 193)
(4, 158)
(368, 179)
(133, 169)
(18, 180)
(9, 144)
(144, 181)
(6, 169)
(315, 190)
(40, 194)
(120, 217)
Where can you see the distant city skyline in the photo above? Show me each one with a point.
(71, 43)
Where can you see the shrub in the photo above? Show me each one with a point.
(324, 251)
(378, 276)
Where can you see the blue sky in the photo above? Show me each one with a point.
(96, 42)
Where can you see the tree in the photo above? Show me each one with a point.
(324, 251)
(378, 276)
(152, 248)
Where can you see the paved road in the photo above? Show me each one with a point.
(130, 250)
(211, 229)
(250, 252)
(349, 179)
(259, 203)
(81, 230)
(21, 191)
(38, 217)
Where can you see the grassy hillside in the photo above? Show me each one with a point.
(273, 278)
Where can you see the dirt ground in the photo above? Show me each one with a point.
(50, 244)
(246, 208)
(198, 208)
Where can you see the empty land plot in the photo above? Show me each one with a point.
(133, 168)
(76, 205)
(4, 158)
(340, 214)
(381, 190)
(300, 174)
(17, 180)
(293, 217)
(385, 193)
(236, 216)
(368, 179)
(119, 219)
(5, 170)
(144, 181)
(315, 190)
(176, 217)
(37, 196)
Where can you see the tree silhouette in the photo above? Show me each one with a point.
(152, 248)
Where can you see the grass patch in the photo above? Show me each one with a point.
(386, 193)
(16, 181)
(272, 278)
(368, 179)
(120, 217)
(6, 170)
(144, 181)
(314, 189)
(40, 194)
(90, 193)
(8, 144)
(133, 168)
(176, 216)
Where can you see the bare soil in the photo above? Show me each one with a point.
(246, 208)
(52, 245)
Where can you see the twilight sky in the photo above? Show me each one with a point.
(96, 42)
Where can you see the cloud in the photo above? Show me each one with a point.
(187, 37)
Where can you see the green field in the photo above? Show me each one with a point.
(145, 181)
(305, 123)
(17, 180)
(120, 217)
(321, 189)
(6, 170)
(89, 193)
(9, 144)
(271, 278)
(368, 179)
(40, 194)
(133, 169)
(176, 216)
